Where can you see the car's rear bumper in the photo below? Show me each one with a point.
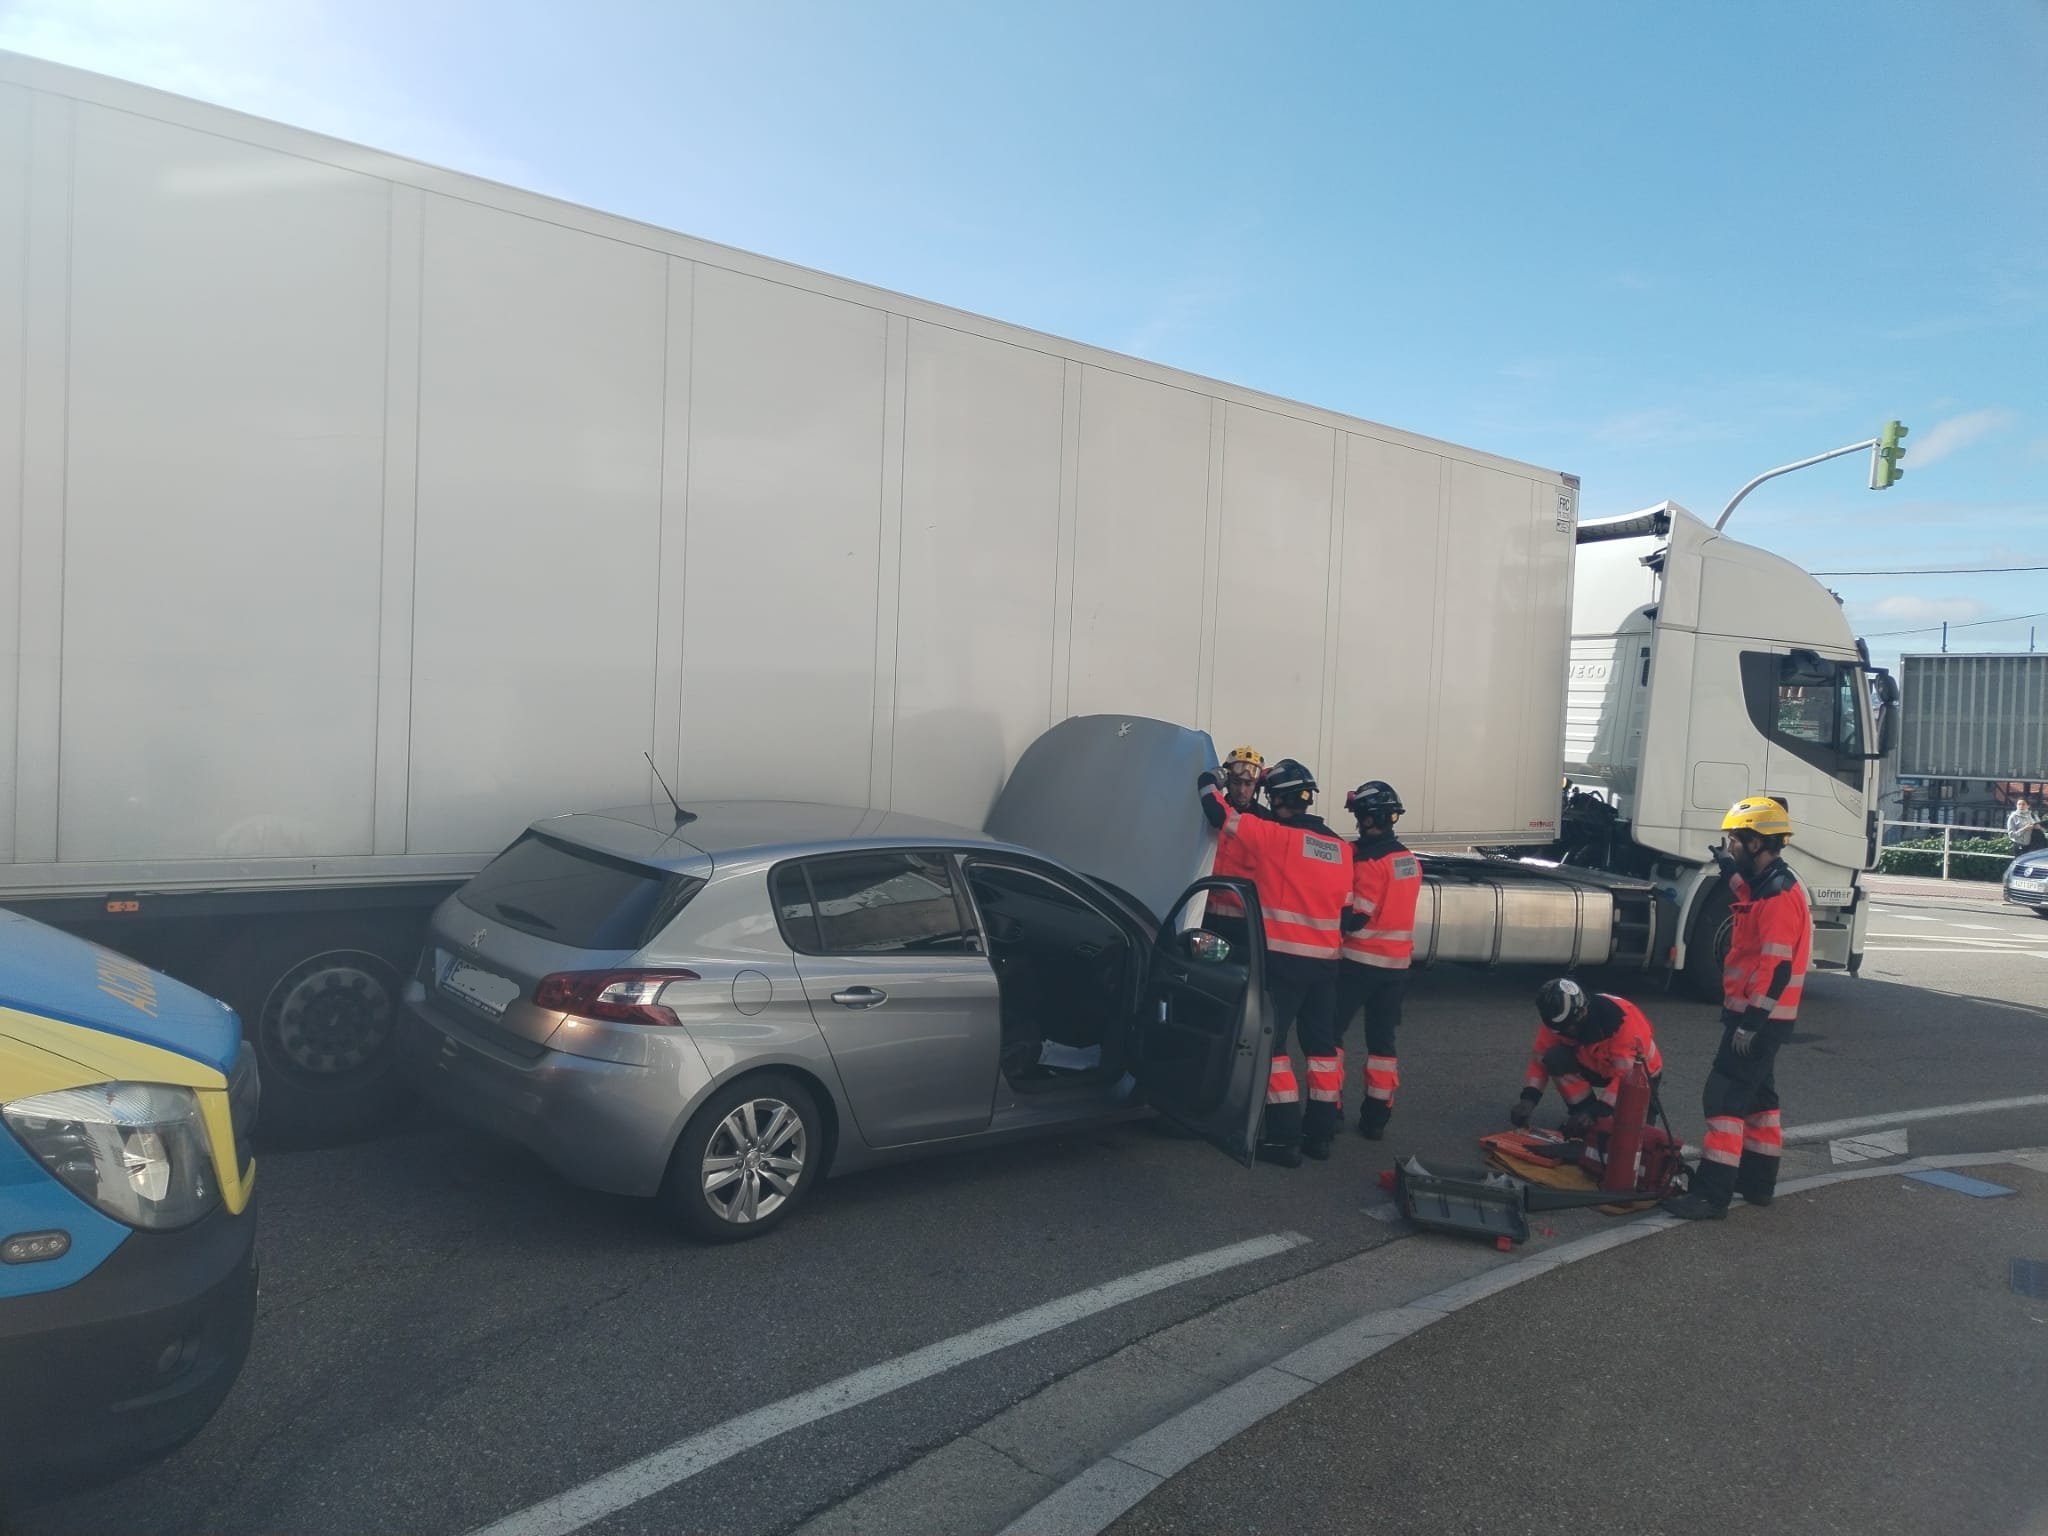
(605, 1124)
(130, 1360)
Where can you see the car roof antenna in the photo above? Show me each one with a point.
(683, 817)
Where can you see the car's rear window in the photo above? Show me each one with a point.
(555, 890)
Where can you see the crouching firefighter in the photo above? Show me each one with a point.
(1761, 986)
(1379, 943)
(1242, 771)
(1302, 872)
(1585, 1043)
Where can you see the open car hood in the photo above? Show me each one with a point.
(1113, 796)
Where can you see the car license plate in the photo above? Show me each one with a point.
(480, 989)
(2022, 883)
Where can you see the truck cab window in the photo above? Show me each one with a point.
(1810, 707)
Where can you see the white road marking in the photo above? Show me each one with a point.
(1870, 1148)
(637, 1480)
(1977, 927)
(1937, 938)
(1907, 917)
(1109, 1489)
(1827, 1130)
(1958, 949)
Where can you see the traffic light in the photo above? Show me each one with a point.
(1885, 468)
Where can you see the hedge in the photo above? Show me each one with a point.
(1922, 856)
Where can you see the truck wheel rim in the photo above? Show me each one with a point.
(754, 1161)
(333, 1014)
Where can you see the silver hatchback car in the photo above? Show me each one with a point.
(718, 1006)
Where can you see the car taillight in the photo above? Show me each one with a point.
(618, 997)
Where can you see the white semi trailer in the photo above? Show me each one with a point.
(366, 511)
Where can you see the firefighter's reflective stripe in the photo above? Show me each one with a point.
(1326, 1078)
(1386, 882)
(1304, 919)
(1281, 1087)
(1382, 1077)
(1763, 1134)
(1384, 962)
(1574, 1090)
(1303, 874)
(1723, 1143)
(1782, 951)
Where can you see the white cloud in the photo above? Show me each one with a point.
(1956, 432)
(1659, 424)
(1904, 608)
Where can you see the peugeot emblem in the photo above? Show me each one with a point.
(476, 940)
(1124, 729)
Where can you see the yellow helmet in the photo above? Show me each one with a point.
(1245, 755)
(1759, 814)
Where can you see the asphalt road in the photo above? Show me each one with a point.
(1853, 1361)
(449, 1335)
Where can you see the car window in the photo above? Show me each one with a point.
(556, 890)
(870, 903)
(1020, 905)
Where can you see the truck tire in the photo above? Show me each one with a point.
(1706, 952)
(320, 1002)
(717, 1132)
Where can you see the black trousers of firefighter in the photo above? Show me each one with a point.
(1303, 996)
(1745, 1137)
(1377, 993)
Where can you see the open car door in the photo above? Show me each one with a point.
(1202, 1042)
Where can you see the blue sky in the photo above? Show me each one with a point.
(1660, 246)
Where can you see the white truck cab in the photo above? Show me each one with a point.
(1703, 670)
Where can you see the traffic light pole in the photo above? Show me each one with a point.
(1786, 469)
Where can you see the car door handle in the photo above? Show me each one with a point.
(860, 997)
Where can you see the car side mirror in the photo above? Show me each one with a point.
(1204, 947)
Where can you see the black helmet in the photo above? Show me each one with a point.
(1562, 1003)
(1375, 798)
(1289, 783)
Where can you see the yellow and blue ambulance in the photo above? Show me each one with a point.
(127, 1213)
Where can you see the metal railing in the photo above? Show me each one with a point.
(1948, 831)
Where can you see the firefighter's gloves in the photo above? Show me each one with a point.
(1210, 779)
(1520, 1111)
(1743, 1040)
(1723, 859)
(1578, 1126)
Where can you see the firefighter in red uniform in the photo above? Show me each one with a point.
(1242, 771)
(1302, 871)
(1761, 986)
(1586, 1043)
(1379, 943)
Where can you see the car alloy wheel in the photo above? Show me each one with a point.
(754, 1161)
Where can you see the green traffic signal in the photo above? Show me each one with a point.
(1885, 468)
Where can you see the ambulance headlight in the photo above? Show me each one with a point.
(137, 1151)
